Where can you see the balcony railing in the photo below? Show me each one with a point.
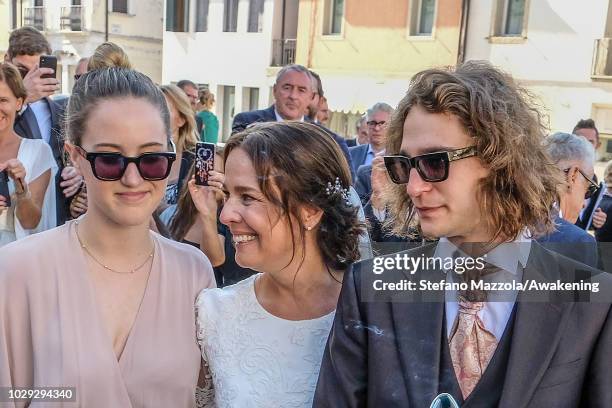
(35, 17)
(72, 18)
(283, 52)
(602, 58)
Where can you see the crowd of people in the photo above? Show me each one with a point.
(122, 277)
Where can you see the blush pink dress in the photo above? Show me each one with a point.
(52, 333)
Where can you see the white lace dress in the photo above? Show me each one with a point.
(255, 358)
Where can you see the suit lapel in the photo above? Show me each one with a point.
(364, 155)
(269, 115)
(55, 139)
(28, 125)
(418, 328)
(537, 332)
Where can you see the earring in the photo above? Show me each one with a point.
(308, 228)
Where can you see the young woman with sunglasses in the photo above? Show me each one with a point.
(26, 168)
(102, 304)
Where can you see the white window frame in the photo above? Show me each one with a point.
(414, 21)
(131, 8)
(499, 23)
(328, 18)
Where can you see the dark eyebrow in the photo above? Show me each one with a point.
(118, 147)
(245, 189)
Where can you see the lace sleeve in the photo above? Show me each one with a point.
(205, 392)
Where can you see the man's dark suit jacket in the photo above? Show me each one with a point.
(244, 119)
(363, 183)
(27, 127)
(351, 142)
(359, 155)
(389, 354)
(572, 242)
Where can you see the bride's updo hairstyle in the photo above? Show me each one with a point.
(299, 164)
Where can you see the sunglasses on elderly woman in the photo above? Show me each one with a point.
(432, 167)
(111, 166)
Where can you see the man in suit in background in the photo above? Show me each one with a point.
(41, 117)
(293, 92)
(361, 133)
(377, 118)
(529, 349)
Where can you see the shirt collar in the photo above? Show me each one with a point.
(506, 256)
(370, 150)
(279, 118)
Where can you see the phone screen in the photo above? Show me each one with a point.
(204, 162)
(48, 61)
(4, 187)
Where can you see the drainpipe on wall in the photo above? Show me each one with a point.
(106, 20)
(465, 13)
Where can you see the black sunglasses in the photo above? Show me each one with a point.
(593, 187)
(111, 166)
(374, 123)
(432, 167)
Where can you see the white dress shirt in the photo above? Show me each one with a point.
(511, 258)
(279, 118)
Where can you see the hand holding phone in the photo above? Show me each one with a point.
(48, 61)
(41, 81)
(204, 162)
(4, 188)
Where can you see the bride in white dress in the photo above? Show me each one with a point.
(291, 219)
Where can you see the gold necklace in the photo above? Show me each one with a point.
(106, 266)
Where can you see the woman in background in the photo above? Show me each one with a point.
(108, 55)
(210, 130)
(27, 168)
(182, 125)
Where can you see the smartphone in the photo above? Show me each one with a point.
(4, 187)
(204, 162)
(48, 61)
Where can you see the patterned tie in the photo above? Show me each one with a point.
(471, 344)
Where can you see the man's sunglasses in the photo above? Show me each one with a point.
(593, 187)
(111, 166)
(432, 167)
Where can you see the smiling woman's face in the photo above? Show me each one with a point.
(9, 105)
(129, 126)
(262, 235)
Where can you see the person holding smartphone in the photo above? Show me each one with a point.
(102, 303)
(40, 117)
(27, 165)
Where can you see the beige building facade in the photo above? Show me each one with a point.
(559, 50)
(76, 27)
(366, 51)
